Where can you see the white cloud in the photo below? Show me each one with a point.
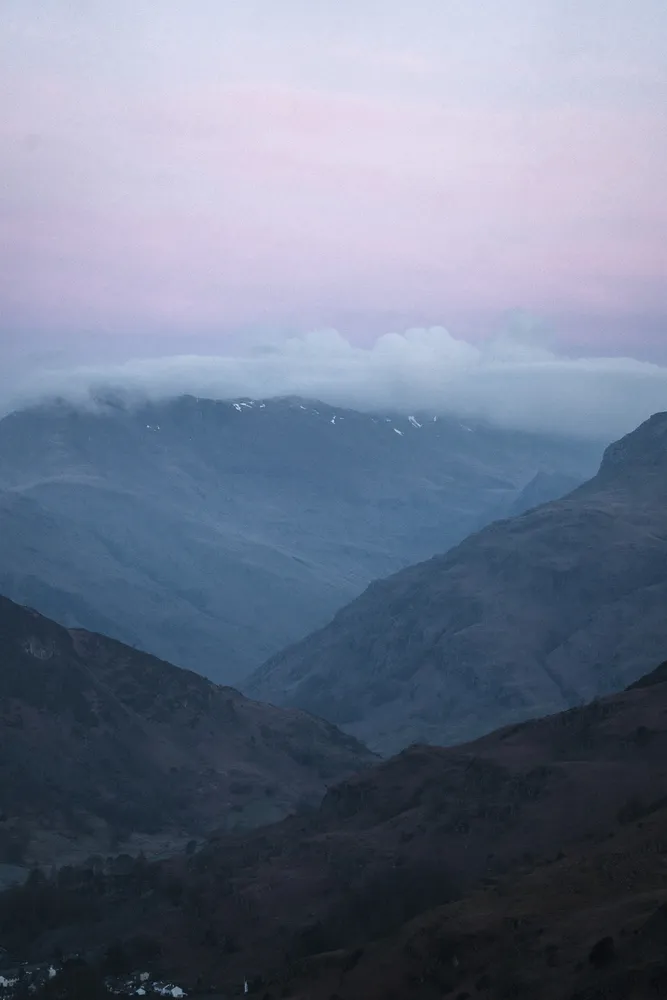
(508, 380)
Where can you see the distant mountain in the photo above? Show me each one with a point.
(104, 748)
(543, 487)
(494, 868)
(528, 616)
(215, 533)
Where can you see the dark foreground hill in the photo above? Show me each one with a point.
(103, 748)
(515, 855)
(530, 615)
(591, 925)
(212, 534)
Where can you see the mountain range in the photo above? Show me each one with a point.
(104, 748)
(528, 861)
(530, 615)
(213, 534)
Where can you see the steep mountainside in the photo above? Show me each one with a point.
(545, 836)
(99, 743)
(590, 925)
(214, 534)
(530, 615)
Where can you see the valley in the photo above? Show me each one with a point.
(532, 614)
(168, 835)
(213, 534)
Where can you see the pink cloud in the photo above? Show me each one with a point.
(220, 204)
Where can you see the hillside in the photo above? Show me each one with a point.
(590, 925)
(103, 748)
(528, 616)
(546, 835)
(213, 534)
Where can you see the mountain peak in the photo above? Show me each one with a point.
(641, 452)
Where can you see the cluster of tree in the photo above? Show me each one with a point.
(70, 896)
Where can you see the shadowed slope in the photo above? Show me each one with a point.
(99, 742)
(421, 830)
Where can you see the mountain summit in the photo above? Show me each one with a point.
(639, 460)
(528, 616)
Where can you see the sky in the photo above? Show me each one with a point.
(182, 179)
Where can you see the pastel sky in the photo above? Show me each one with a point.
(174, 175)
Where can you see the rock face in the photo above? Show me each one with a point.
(214, 534)
(100, 744)
(528, 616)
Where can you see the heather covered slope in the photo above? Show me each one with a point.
(553, 801)
(100, 743)
(213, 534)
(590, 924)
(528, 616)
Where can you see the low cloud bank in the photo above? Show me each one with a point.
(508, 381)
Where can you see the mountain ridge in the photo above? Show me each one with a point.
(276, 513)
(529, 615)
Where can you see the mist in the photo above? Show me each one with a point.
(509, 381)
